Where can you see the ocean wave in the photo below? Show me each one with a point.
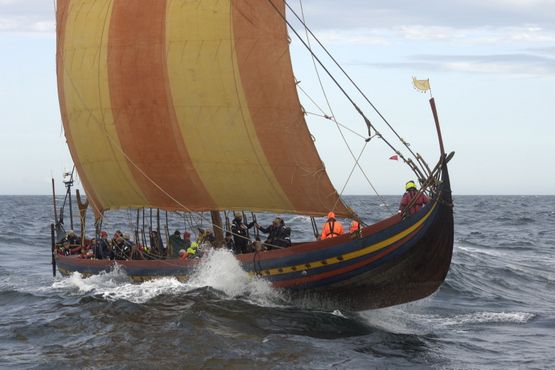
(400, 320)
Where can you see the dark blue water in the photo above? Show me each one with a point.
(495, 310)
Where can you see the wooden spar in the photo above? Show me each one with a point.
(137, 240)
(143, 229)
(257, 232)
(70, 208)
(227, 223)
(167, 230)
(82, 214)
(217, 226)
(314, 228)
(438, 128)
(53, 246)
(246, 222)
(54, 202)
(97, 227)
(150, 229)
(158, 221)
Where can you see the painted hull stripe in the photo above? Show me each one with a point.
(349, 256)
(353, 270)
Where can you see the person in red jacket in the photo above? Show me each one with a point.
(355, 226)
(332, 228)
(410, 194)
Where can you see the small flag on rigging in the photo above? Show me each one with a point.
(394, 157)
(421, 85)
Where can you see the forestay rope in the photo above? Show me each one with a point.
(316, 58)
(333, 118)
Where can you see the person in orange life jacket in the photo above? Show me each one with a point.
(331, 228)
(182, 254)
(354, 226)
(410, 194)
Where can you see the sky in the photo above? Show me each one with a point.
(491, 64)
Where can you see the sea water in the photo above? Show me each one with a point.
(495, 310)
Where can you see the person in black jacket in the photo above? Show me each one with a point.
(278, 234)
(240, 233)
(230, 244)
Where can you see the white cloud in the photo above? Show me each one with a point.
(349, 14)
(532, 36)
(356, 37)
(27, 16)
(26, 24)
(353, 14)
(524, 64)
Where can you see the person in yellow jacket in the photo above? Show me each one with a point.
(192, 250)
(331, 228)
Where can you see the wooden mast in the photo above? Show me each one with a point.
(82, 214)
(217, 226)
(54, 202)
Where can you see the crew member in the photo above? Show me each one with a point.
(332, 228)
(230, 244)
(278, 234)
(239, 231)
(176, 243)
(354, 226)
(410, 194)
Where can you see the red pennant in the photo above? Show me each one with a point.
(394, 157)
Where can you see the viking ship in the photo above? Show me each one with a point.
(192, 106)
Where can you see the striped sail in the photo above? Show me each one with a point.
(186, 105)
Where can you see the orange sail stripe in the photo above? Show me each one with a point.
(88, 119)
(266, 73)
(187, 105)
(212, 111)
(143, 107)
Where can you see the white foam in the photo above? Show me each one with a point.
(400, 320)
(488, 252)
(338, 313)
(218, 269)
(489, 317)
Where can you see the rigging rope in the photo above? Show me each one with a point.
(344, 72)
(329, 117)
(352, 171)
(366, 120)
(332, 117)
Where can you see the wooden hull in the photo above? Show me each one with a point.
(392, 262)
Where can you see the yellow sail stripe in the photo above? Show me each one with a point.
(211, 108)
(89, 113)
(348, 256)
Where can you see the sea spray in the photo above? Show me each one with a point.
(218, 269)
(115, 285)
